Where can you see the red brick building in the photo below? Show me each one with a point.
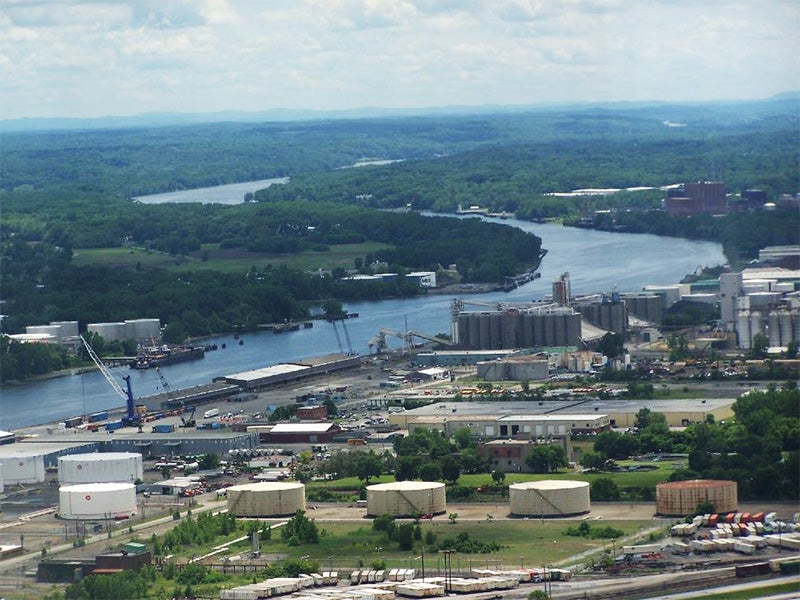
(701, 197)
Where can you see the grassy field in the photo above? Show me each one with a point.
(529, 543)
(231, 261)
(623, 479)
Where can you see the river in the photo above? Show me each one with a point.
(596, 260)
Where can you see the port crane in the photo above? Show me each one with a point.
(131, 419)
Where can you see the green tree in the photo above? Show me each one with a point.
(759, 346)
(604, 489)
(368, 465)
(544, 458)
(611, 345)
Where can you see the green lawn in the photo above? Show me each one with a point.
(231, 261)
(623, 479)
(525, 542)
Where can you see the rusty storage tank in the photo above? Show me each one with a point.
(266, 499)
(680, 498)
(405, 498)
(549, 498)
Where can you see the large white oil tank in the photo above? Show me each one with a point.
(98, 467)
(549, 498)
(266, 499)
(143, 329)
(108, 331)
(22, 468)
(92, 501)
(404, 498)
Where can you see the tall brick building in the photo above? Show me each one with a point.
(697, 198)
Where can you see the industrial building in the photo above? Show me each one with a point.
(607, 311)
(260, 379)
(509, 455)
(299, 433)
(519, 367)
(478, 416)
(191, 396)
(761, 302)
(483, 426)
(454, 358)
(702, 197)
(536, 326)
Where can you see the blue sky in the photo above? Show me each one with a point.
(87, 59)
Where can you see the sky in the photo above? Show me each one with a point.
(89, 59)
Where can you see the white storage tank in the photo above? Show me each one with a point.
(405, 498)
(98, 467)
(549, 498)
(266, 499)
(22, 468)
(108, 331)
(92, 501)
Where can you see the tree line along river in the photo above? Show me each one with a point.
(596, 261)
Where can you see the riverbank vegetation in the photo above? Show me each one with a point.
(76, 247)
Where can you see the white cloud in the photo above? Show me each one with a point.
(144, 55)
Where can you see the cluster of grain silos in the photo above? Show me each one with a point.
(549, 498)
(94, 501)
(105, 467)
(680, 498)
(536, 327)
(22, 468)
(266, 499)
(780, 326)
(406, 498)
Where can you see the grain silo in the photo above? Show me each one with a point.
(93, 501)
(549, 498)
(680, 498)
(266, 499)
(100, 467)
(406, 498)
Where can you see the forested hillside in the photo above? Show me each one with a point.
(63, 191)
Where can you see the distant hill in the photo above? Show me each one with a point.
(671, 109)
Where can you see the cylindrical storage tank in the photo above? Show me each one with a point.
(104, 467)
(773, 329)
(743, 329)
(549, 498)
(92, 501)
(680, 498)
(785, 320)
(266, 499)
(405, 498)
(22, 468)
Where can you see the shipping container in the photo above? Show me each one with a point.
(114, 425)
(164, 428)
(101, 416)
(712, 521)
